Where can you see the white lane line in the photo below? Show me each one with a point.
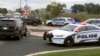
(45, 52)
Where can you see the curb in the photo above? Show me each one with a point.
(45, 52)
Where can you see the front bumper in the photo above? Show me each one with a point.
(53, 39)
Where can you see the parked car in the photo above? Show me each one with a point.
(59, 21)
(94, 21)
(15, 28)
(2, 16)
(71, 34)
(34, 20)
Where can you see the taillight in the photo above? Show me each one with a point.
(15, 27)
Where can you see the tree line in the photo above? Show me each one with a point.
(3, 10)
(89, 8)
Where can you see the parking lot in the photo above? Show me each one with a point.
(39, 30)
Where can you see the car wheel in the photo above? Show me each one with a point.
(35, 24)
(50, 24)
(25, 34)
(66, 23)
(99, 41)
(44, 36)
(19, 37)
(68, 42)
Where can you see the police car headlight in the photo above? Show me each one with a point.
(59, 35)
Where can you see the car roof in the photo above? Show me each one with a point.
(79, 24)
(65, 17)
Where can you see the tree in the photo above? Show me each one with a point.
(3, 10)
(19, 10)
(55, 8)
(92, 8)
(78, 7)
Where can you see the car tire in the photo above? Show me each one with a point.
(68, 42)
(44, 36)
(99, 41)
(19, 37)
(25, 34)
(50, 24)
(66, 24)
(35, 24)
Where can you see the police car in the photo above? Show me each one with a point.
(94, 21)
(74, 33)
(59, 21)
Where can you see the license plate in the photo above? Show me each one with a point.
(5, 28)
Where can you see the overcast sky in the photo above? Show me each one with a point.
(37, 4)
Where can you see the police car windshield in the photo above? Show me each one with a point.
(68, 27)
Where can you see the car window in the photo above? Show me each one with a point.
(98, 21)
(7, 22)
(56, 19)
(61, 19)
(92, 21)
(92, 28)
(68, 27)
(83, 28)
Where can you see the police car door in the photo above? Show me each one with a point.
(86, 34)
(94, 33)
(56, 21)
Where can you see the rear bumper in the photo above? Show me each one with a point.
(15, 33)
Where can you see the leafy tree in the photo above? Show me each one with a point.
(92, 8)
(55, 10)
(19, 10)
(3, 10)
(79, 7)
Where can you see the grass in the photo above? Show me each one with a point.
(91, 52)
(82, 16)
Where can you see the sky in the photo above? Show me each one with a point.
(37, 4)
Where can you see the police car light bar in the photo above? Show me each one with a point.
(83, 23)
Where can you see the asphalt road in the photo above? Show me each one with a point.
(31, 44)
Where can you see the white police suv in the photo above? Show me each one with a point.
(94, 21)
(74, 33)
(59, 21)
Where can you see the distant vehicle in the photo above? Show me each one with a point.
(2, 16)
(15, 28)
(33, 20)
(59, 21)
(94, 21)
(17, 15)
(71, 34)
(8, 15)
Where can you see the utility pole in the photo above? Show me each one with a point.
(26, 4)
(20, 6)
(26, 7)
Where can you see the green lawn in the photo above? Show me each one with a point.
(92, 52)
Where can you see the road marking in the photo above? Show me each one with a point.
(75, 49)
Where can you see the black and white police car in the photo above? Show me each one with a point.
(74, 33)
(59, 21)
